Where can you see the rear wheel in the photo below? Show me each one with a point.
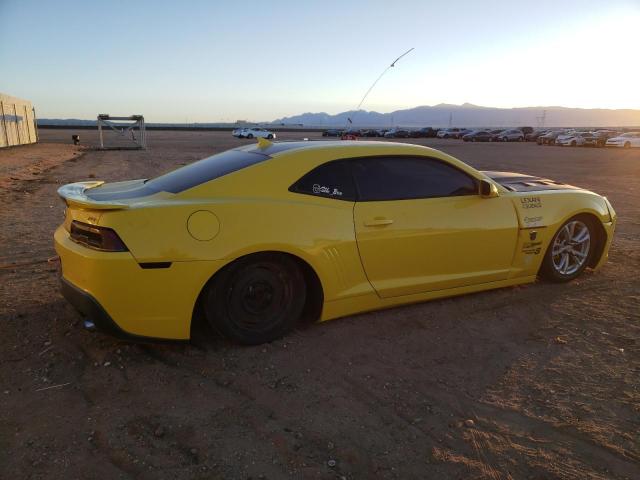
(256, 299)
(627, 145)
(270, 136)
(250, 135)
(570, 250)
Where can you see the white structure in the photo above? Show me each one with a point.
(17, 122)
(127, 131)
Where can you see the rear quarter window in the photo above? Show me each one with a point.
(329, 180)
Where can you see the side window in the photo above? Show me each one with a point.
(331, 180)
(401, 178)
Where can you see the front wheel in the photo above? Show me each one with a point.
(270, 136)
(627, 145)
(256, 299)
(571, 247)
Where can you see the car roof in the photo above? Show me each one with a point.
(275, 149)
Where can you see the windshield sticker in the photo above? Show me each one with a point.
(326, 190)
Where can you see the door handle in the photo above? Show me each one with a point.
(378, 222)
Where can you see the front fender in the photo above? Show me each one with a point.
(541, 214)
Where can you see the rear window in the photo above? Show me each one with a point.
(205, 170)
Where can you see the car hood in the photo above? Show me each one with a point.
(519, 182)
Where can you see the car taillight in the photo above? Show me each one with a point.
(97, 238)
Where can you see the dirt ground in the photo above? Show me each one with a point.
(532, 382)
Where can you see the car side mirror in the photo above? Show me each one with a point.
(488, 189)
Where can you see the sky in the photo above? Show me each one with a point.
(214, 61)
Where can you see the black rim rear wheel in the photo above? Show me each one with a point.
(257, 296)
(256, 299)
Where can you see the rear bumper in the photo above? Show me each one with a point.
(126, 300)
(95, 316)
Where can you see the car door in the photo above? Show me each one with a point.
(422, 226)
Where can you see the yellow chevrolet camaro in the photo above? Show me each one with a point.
(258, 238)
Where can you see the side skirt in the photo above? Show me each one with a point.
(364, 303)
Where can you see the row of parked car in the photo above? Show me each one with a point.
(571, 137)
(467, 134)
(582, 138)
(566, 137)
(426, 132)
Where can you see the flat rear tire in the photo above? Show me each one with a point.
(256, 299)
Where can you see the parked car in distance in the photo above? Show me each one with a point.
(604, 135)
(592, 139)
(526, 130)
(626, 140)
(370, 133)
(397, 133)
(449, 133)
(533, 136)
(573, 139)
(478, 136)
(426, 132)
(332, 132)
(549, 138)
(495, 132)
(465, 131)
(513, 135)
(253, 132)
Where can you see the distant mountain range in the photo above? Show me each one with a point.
(468, 115)
(442, 115)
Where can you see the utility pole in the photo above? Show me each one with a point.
(541, 119)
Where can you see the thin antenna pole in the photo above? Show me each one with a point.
(393, 64)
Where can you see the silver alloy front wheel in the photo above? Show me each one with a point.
(571, 247)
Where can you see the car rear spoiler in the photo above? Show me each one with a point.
(74, 196)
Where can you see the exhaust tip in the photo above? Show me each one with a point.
(89, 325)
